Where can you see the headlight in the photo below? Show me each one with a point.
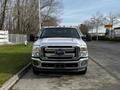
(83, 49)
(83, 52)
(36, 51)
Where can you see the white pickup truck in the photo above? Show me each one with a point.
(59, 49)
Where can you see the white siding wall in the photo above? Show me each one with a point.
(4, 37)
(17, 38)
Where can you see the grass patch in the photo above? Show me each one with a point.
(12, 59)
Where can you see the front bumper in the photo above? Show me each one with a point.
(76, 66)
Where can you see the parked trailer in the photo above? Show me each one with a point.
(116, 32)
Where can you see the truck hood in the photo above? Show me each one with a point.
(60, 42)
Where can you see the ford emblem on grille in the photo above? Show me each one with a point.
(60, 52)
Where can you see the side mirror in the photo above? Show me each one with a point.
(36, 38)
(84, 38)
(89, 38)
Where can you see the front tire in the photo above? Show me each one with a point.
(84, 72)
(36, 72)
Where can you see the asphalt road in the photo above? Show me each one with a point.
(103, 73)
(107, 55)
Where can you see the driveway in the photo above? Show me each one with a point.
(95, 79)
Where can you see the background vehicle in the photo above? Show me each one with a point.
(114, 33)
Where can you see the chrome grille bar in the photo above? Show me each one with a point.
(70, 53)
(65, 49)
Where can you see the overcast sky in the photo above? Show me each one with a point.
(76, 11)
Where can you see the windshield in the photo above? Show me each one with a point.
(60, 32)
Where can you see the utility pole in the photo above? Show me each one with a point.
(40, 20)
(97, 21)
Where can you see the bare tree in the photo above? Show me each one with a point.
(84, 29)
(22, 16)
(50, 8)
(3, 13)
(111, 18)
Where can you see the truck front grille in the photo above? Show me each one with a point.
(64, 53)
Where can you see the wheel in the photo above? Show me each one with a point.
(36, 72)
(83, 72)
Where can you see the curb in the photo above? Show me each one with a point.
(8, 84)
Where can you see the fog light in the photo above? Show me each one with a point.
(35, 62)
(83, 63)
